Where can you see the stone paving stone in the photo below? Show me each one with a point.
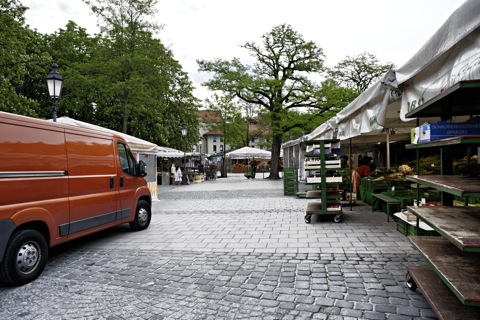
(228, 249)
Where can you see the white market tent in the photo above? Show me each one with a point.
(450, 55)
(249, 152)
(166, 152)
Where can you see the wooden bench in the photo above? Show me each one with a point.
(386, 203)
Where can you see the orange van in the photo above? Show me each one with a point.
(58, 183)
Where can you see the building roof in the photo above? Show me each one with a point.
(208, 116)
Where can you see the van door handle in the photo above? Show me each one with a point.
(121, 181)
(112, 182)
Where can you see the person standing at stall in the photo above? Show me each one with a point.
(359, 173)
(253, 167)
(363, 170)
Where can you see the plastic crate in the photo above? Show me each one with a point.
(402, 226)
(408, 229)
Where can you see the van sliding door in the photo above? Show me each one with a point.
(91, 167)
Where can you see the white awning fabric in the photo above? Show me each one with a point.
(249, 152)
(451, 55)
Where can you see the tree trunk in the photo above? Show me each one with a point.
(275, 161)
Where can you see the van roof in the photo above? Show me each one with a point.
(16, 119)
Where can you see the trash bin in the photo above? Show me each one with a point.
(165, 178)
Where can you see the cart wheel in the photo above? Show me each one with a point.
(411, 283)
(308, 218)
(337, 218)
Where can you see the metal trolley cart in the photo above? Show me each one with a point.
(323, 165)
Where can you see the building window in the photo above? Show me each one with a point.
(214, 138)
(214, 148)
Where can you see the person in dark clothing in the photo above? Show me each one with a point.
(344, 161)
(253, 167)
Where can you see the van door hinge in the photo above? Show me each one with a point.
(112, 182)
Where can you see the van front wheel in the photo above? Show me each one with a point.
(143, 215)
(25, 258)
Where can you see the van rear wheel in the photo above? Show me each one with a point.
(143, 216)
(25, 258)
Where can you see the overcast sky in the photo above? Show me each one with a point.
(393, 30)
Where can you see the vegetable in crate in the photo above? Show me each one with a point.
(473, 169)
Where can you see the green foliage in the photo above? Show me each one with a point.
(122, 79)
(21, 54)
(359, 72)
(277, 81)
(230, 121)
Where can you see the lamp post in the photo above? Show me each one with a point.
(54, 84)
(184, 135)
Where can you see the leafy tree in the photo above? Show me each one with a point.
(359, 72)
(251, 117)
(75, 51)
(142, 89)
(230, 122)
(21, 55)
(123, 24)
(277, 82)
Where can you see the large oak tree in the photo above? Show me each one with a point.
(277, 82)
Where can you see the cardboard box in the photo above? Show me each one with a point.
(415, 135)
(447, 129)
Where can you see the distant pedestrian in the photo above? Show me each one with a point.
(253, 167)
(178, 176)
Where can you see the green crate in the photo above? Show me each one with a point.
(290, 183)
(407, 229)
(375, 184)
(402, 226)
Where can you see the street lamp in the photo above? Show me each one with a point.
(54, 84)
(184, 135)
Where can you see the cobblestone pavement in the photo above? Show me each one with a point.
(229, 249)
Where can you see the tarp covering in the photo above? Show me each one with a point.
(451, 55)
(323, 132)
(135, 143)
(249, 152)
(365, 114)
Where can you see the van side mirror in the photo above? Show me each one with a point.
(142, 168)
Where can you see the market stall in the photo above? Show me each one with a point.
(240, 159)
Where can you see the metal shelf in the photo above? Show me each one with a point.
(460, 225)
(440, 297)
(462, 186)
(460, 271)
(455, 141)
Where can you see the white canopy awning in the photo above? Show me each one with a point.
(249, 152)
(451, 55)
(323, 132)
(166, 152)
